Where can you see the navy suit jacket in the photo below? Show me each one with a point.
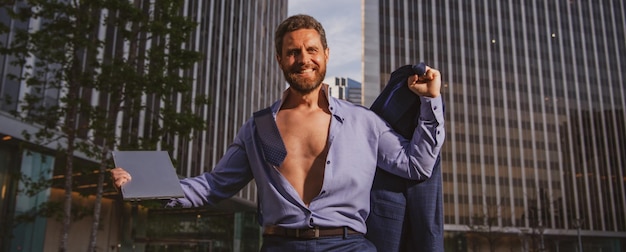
(406, 215)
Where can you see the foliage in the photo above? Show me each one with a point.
(85, 62)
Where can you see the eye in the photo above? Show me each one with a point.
(293, 52)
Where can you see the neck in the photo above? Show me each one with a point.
(312, 100)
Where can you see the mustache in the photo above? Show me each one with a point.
(297, 69)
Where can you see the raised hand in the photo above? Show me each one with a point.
(427, 85)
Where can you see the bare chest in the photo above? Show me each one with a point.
(304, 136)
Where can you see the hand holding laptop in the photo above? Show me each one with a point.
(120, 177)
(154, 175)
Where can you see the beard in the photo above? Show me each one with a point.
(305, 85)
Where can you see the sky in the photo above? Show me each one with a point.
(342, 22)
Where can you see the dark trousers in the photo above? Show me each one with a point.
(406, 215)
(351, 243)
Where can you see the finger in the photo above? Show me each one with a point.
(412, 79)
(119, 172)
(121, 181)
(429, 75)
(120, 176)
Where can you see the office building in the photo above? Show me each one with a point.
(345, 89)
(238, 73)
(535, 93)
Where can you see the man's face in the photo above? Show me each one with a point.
(303, 60)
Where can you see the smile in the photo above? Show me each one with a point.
(306, 70)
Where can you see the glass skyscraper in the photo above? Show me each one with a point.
(238, 73)
(535, 93)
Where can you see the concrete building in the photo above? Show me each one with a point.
(535, 98)
(238, 73)
(345, 89)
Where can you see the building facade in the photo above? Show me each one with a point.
(535, 93)
(345, 89)
(238, 73)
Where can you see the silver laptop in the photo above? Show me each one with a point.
(153, 175)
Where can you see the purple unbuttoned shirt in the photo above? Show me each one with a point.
(358, 140)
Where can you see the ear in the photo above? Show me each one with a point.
(327, 53)
(277, 58)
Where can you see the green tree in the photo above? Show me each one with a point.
(97, 75)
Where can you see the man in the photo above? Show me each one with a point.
(313, 157)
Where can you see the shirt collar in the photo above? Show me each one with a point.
(332, 102)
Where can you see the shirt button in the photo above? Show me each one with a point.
(311, 222)
(328, 162)
(435, 108)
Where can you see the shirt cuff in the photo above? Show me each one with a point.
(431, 109)
(172, 203)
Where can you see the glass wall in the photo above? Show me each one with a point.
(8, 166)
(198, 230)
(30, 227)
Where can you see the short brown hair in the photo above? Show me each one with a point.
(297, 22)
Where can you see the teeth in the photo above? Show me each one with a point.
(306, 71)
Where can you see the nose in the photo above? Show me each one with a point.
(303, 57)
